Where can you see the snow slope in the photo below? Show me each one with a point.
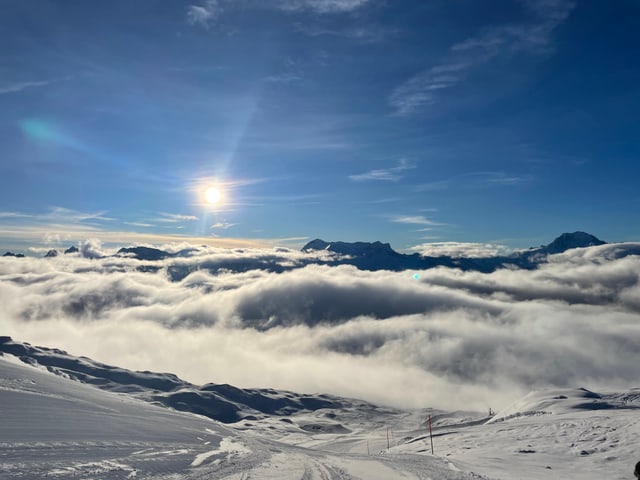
(53, 427)
(56, 428)
(560, 433)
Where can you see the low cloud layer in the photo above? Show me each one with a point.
(461, 249)
(266, 318)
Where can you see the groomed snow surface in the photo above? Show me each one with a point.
(56, 428)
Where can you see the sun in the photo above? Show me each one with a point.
(212, 195)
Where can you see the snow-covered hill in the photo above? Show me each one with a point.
(55, 427)
(224, 403)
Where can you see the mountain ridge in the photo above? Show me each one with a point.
(379, 256)
(222, 402)
(370, 256)
(560, 244)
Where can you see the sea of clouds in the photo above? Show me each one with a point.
(272, 318)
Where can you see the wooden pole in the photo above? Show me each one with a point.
(387, 439)
(431, 434)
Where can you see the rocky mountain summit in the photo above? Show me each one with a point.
(380, 256)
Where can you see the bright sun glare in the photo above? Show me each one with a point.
(212, 195)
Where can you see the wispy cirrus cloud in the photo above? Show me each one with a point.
(476, 180)
(74, 215)
(139, 224)
(360, 33)
(175, 218)
(56, 234)
(289, 72)
(412, 220)
(204, 14)
(58, 214)
(56, 225)
(532, 37)
(20, 86)
(392, 174)
(498, 178)
(59, 226)
(284, 77)
(13, 215)
(322, 6)
(223, 225)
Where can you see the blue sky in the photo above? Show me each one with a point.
(501, 121)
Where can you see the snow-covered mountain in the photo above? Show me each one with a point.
(567, 241)
(57, 424)
(11, 254)
(366, 255)
(380, 256)
(370, 256)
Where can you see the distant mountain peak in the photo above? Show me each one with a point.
(11, 254)
(567, 241)
(144, 253)
(316, 244)
(349, 248)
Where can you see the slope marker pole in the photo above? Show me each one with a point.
(430, 434)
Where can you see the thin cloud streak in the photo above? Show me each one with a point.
(204, 14)
(476, 180)
(62, 234)
(20, 86)
(175, 218)
(322, 6)
(534, 38)
(392, 174)
(14, 215)
(207, 12)
(58, 214)
(413, 220)
(223, 225)
(139, 224)
(363, 34)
